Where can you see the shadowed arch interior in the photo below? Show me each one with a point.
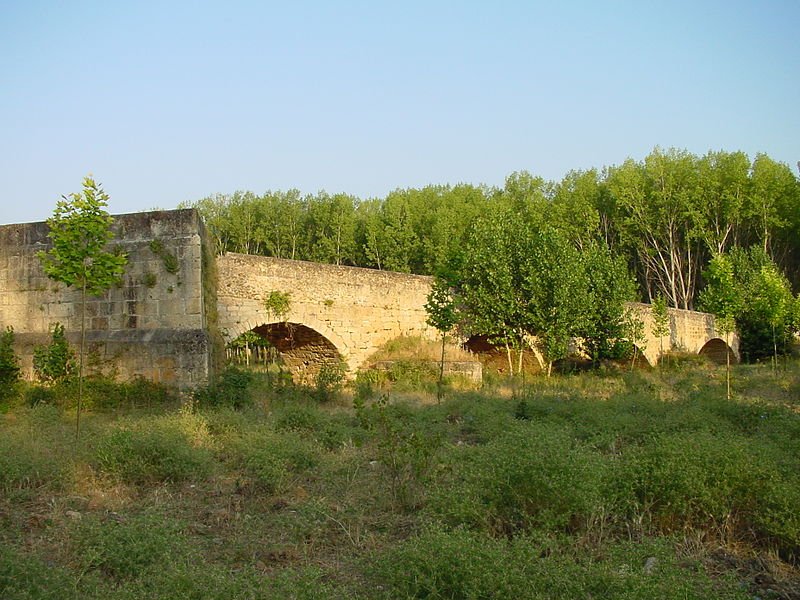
(716, 349)
(495, 357)
(303, 350)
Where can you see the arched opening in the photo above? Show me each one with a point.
(494, 357)
(716, 350)
(301, 350)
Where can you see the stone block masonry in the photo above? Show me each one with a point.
(158, 323)
(355, 310)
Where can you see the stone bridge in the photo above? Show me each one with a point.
(334, 312)
(349, 312)
(170, 317)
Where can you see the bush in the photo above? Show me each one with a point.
(170, 448)
(712, 482)
(462, 564)
(9, 363)
(128, 548)
(405, 449)
(56, 361)
(531, 477)
(328, 381)
(270, 459)
(230, 389)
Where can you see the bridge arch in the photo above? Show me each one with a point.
(303, 349)
(716, 349)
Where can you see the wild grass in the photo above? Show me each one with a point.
(616, 485)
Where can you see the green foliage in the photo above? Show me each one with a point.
(404, 449)
(269, 459)
(328, 381)
(607, 324)
(231, 388)
(661, 322)
(126, 549)
(757, 298)
(278, 304)
(55, 362)
(721, 296)
(80, 230)
(150, 279)
(532, 477)
(27, 465)
(457, 563)
(170, 448)
(9, 363)
(709, 481)
(170, 261)
(440, 307)
(27, 577)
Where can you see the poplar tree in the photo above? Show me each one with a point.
(80, 230)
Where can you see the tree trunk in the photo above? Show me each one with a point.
(728, 364)
(774, 353)
(80, 362)
(440, 387)
(510, 360)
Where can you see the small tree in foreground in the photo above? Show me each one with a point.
(80, 230)
(442, 316)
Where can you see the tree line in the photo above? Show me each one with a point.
(664, 218)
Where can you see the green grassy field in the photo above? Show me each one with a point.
(630, 485)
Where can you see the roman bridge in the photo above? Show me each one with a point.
(178, 304)
(349, 312)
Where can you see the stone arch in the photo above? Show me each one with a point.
(716, 349)
(494, 356)
(303, 349)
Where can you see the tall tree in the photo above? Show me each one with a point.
(607, 328)
(722, 298)
(80, 231)
(659, 222)
(555, 289)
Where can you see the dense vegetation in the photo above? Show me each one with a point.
(645, 484)
(665, 218)
(667, 215)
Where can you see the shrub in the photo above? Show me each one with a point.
(533, 476)
(128, 548)
(230, 389)
(56, 361)
(462, 564)
(169, 448)
(9, 363)
(269, 459)
(301, 417)
(405, 449)
(328, 381)
(37, 395)
(718, 482)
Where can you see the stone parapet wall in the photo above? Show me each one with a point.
(356, 309)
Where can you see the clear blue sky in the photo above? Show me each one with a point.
(172, 101)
